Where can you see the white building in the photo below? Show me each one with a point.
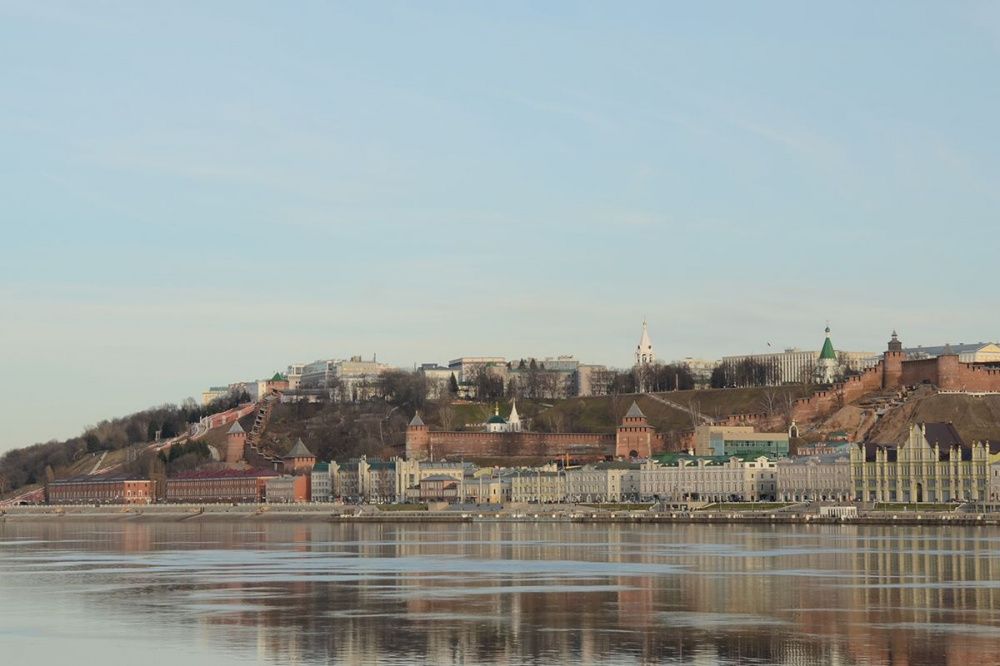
(438, 379)
(603, 482)
(497, 423)
(811, 479)
(795, 366)
(347, 380)
(466, 367)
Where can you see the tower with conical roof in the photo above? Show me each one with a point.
(827, 367)
(418, 439)
(299, 460)
(236, 440)
(634, 437)
(644, 350)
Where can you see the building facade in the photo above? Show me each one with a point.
(633, 438)
(814, 480)
(107, 489)
(221, 485)
(932, 465)
(728, 441)
(321, 483)
(287, 489)
(345, 380)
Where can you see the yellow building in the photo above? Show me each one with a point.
(933, 465)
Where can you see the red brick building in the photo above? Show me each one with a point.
(223, 485)
(110, 489)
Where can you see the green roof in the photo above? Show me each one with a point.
(827, 351)
(278, 377)
(496, 418)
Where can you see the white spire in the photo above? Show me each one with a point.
(514, 420)
(644, 351)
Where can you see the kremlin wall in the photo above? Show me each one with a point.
(635, 436)
(891, 373)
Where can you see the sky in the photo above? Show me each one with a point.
(196, 193)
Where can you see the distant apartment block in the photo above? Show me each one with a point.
(795, 366)
(214, 393)
(700, 369)
(550, 377)
(438, 379)
(346, 380)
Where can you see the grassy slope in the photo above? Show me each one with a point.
(596, 414)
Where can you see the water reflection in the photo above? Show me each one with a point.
(515, 593)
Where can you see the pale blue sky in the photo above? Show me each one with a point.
(197, 193)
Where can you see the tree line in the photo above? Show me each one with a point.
(28, 465)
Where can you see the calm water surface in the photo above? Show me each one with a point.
(242, 592)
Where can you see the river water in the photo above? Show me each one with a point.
(243, 592)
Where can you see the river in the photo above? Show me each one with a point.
(240, 592)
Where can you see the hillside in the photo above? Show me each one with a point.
(602, 414)
(975, 417)
(378, 429)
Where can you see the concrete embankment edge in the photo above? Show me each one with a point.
(253, 514)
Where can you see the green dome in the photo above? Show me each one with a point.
(496, 418)
(827, 352)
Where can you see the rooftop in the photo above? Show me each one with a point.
(224, 473)
(634, 412)
(299, 451)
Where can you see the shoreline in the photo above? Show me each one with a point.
(335, 514)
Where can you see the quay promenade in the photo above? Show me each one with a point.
(559, 513)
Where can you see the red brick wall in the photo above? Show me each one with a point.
(918, 372)
(451, 444)
(638, 438)
(892, 369)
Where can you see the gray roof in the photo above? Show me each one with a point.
(634, 412)
(235, 429)
(416, 420)
(938, 350)
(299, 451)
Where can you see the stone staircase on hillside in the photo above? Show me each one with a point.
(255, 453)
(708, 420)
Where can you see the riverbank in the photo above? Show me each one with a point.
(548, 513)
